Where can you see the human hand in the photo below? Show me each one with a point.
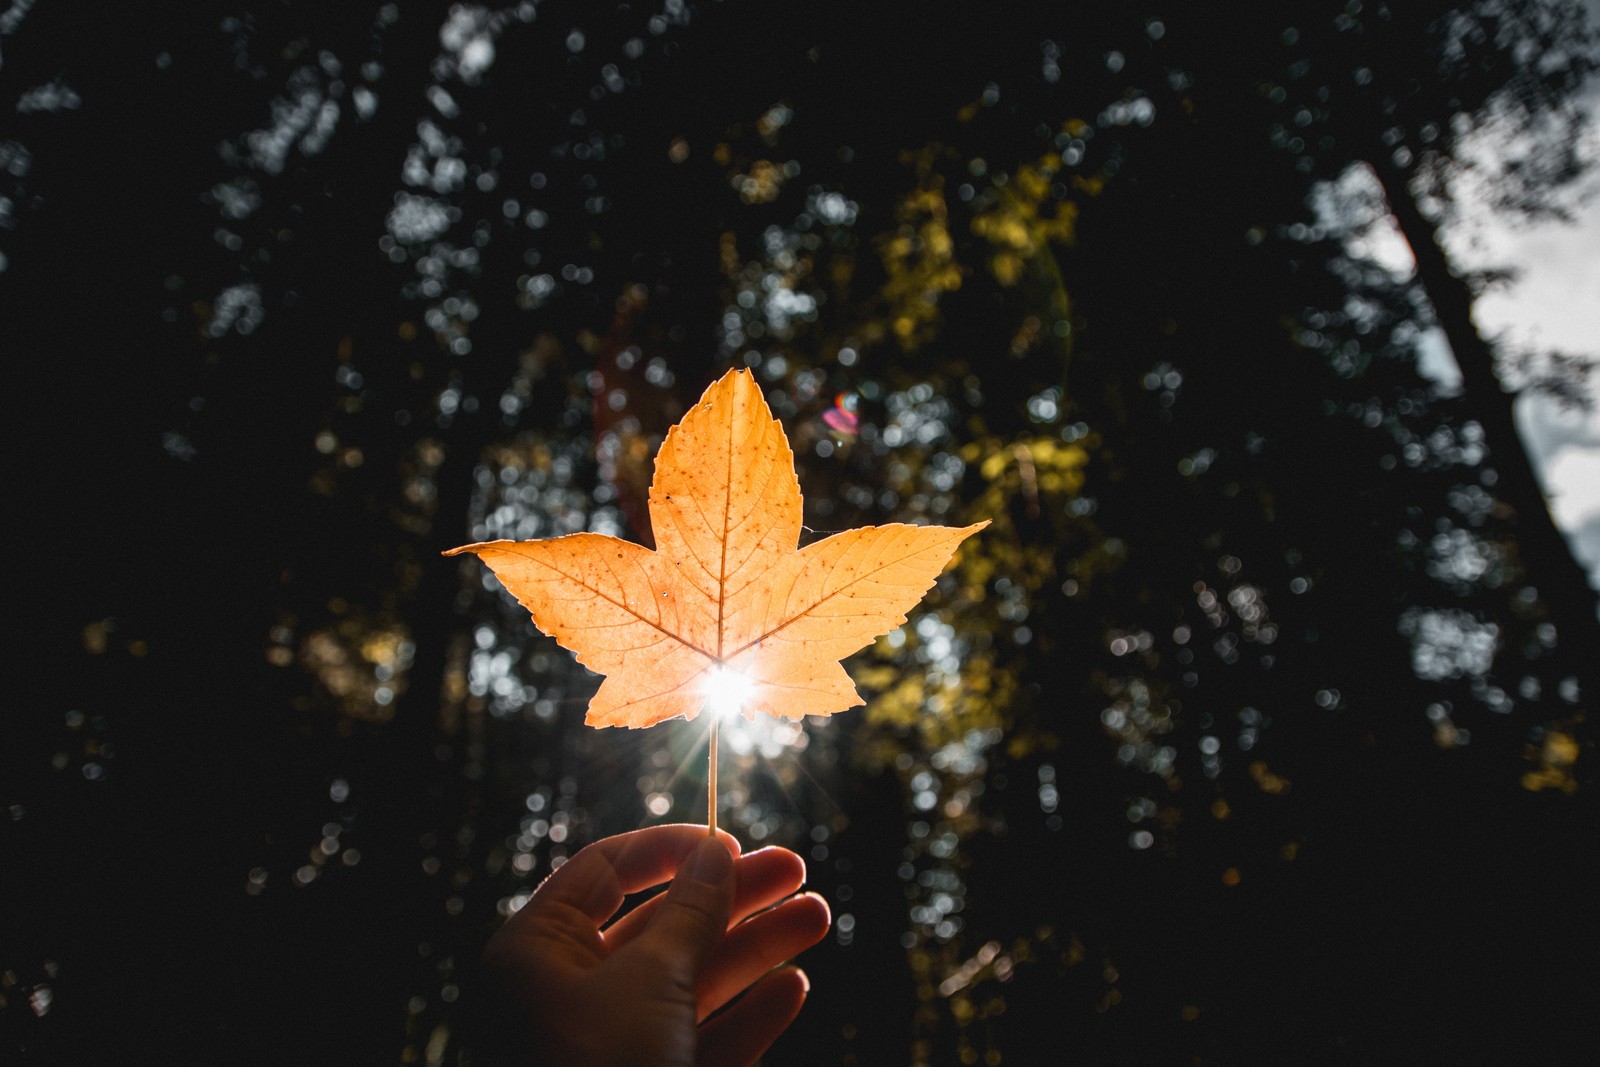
(640, 992)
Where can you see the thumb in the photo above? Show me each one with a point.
(694, 915)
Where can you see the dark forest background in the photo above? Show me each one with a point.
(1254, 730)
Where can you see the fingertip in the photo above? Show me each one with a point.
(799, 976)
(787, 987)
(734, 848)
(774, 851)
(816, 918)
(814, 900)
(777, 865)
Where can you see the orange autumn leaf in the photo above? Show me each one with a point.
(727, 600)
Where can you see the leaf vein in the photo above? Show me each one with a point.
(803, 613)
(576, 580)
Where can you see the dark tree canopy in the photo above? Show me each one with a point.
(1254, 729)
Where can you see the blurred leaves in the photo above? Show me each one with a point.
(1255, 628)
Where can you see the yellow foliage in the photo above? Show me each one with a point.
(1269, 782)
(940, 708)
(1041, 472)
(762, 184)
(1557, 756)
(361, 661)
(1025, 220)
(919, 259)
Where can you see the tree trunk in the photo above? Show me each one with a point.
(1545, 556)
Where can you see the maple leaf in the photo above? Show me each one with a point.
(726, 600)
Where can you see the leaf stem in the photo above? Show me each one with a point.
(711, 779)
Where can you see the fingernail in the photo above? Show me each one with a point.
(708, 863)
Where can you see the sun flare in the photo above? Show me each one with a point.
(727, 691)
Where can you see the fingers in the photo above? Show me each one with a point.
(738, 1036)
(763, 878)
(757, 945)
(600, 875)
(688, 925)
